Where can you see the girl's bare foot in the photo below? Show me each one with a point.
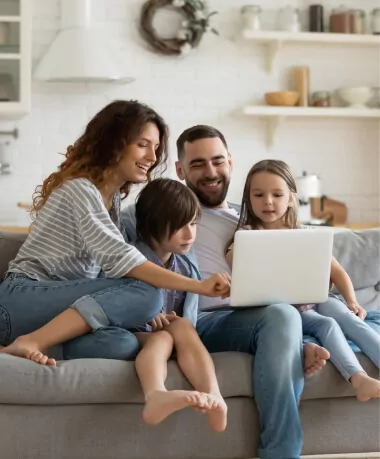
(216, 412)
(24, 347)
(161, 404)
(314, 358)
(365, 386)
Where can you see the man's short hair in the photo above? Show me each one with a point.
(163, 207)
(198, 132)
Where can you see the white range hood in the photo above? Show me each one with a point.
(80, 53)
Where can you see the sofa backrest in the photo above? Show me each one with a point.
(357, 251)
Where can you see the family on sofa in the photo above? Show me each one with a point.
(110, 284)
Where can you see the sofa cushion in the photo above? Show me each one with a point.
(90, 381)
(10, 244)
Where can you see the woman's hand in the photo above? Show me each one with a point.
(357, 309)
(218, 285)
(162, 320)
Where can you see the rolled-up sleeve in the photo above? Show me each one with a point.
(103, 240)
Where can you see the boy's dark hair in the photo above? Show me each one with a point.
(198, 132)
(163, 207)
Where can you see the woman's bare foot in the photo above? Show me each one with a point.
(23, 347)
(314, 358)
(365, 386)
(216, 412)
(161, 404)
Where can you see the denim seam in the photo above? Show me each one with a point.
(112, 289)
(61, 284)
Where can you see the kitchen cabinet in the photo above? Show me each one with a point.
(15, 58)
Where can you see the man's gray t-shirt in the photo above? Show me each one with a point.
(215, 229)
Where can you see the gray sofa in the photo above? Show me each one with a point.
(92, 408)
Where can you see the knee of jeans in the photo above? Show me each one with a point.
(284, 317)
(328, 323)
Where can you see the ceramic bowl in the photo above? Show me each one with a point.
(356, 97)
(283, 98)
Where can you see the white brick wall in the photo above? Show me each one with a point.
(209, 86)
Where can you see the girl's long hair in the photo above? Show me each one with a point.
(96, 153)
(247, 216)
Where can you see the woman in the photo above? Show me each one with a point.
(75, 274)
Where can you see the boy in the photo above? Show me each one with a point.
(166, 215)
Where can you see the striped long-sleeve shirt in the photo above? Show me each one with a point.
(74, 237)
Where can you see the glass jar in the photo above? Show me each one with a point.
(340, 20)
(321, 99)
(357, 21)
(375, 21)
(251, 18)
(289, 19)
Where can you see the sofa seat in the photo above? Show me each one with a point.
(98, 381)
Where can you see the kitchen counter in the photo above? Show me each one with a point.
(15, 229)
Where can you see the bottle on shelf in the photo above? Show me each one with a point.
(357, 24)
(375, 21)
(316, 19)
(301, 83)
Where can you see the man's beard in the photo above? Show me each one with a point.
(210, 201)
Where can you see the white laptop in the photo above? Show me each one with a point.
(281, 266)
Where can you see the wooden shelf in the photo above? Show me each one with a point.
(311, 112)
(10, 56)
(10, 18)
(277, 115)
(275, 40)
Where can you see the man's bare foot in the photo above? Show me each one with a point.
(365, 386)
(216, 412)
(161, 404)
(23, 347)
(314, 358)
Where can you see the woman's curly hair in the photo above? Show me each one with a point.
(98, 150)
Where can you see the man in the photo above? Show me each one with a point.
(273, 334)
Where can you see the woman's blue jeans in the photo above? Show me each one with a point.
(110, 306)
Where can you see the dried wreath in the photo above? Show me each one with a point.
(195, 24)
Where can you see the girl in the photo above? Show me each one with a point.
(270, 202)
(165, 235)
(75, 274)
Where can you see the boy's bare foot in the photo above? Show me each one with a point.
(365, 386)
(216, 412)
(23, 347)
(314, 358)
(161, 404)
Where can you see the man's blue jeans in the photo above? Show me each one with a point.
(273, 334)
